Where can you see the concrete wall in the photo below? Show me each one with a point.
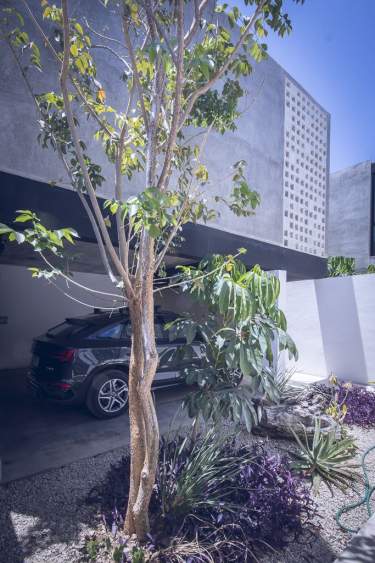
(259, 138)
(349, 213)
(332, 323)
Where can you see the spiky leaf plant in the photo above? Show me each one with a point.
(340, 266)
(326, 459)
(280, 384)
(195, 476)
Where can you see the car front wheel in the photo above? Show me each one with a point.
(108, 394)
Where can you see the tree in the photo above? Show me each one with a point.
(172, 55)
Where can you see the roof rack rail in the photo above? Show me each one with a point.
(98, 310)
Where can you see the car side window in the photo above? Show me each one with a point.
(160, 333)
(109, 332)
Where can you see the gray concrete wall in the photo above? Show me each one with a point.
(332, 323)
(349, 213)
(258, 139)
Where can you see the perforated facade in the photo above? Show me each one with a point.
(305, 179)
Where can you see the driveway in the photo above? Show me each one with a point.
(35, 437)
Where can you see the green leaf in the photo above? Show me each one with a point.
(23, 218)
(74, 50)
(4, 229)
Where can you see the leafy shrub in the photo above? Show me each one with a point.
(371, 269)
(326, 458)
(340, 266)
(212, 496)
(237, 337)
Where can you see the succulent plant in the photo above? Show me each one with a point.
(326, 458)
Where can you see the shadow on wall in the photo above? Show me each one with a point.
(341, 329)
(333, 323)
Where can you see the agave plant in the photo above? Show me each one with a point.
(193, 476)
(340, 266)
(326, 458)
(279, 388)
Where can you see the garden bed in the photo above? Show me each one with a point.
(48, 517)
(321, 539)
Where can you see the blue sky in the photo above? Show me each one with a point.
(331, 52)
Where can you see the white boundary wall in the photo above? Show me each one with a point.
(333, 324)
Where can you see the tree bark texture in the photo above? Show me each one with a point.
(144, 428)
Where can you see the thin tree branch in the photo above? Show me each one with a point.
(178, 95)
(58, 59)
(219, 73)
(81, 286)
(183, 282)
(78, 149)
(86, 206)
(89, 305)
(136, 78)
(179, 220)
(172, 234)
(198, 10)
(119, 57)
(163, 35)
(101, 35)
(123, 242)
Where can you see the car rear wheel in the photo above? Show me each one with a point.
(108, 394)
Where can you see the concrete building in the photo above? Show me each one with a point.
(306, 165)
(283, 134)
(351, 225)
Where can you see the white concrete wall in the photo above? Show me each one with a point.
(333, 324)
(304, 326)
(32, 306)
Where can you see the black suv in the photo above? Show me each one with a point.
(86, 360)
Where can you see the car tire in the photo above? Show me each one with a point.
(107, 396)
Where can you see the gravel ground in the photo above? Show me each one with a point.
(45, 519)
(330, 540)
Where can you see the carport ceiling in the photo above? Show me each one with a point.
(55, 205)
(80, 257)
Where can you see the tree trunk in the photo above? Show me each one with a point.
(144, 428)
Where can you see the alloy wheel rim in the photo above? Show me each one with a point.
(113, 395)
